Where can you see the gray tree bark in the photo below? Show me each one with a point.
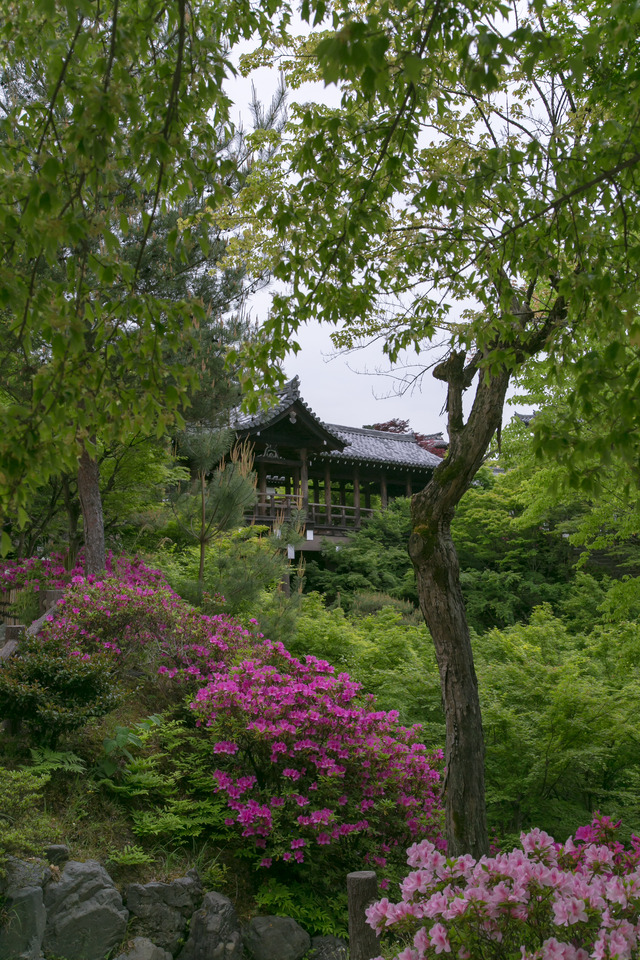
(93, 521)
(438, 576)
(437, 569)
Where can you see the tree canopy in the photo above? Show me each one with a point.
(479, 179)
(476, 192)
(112, 116)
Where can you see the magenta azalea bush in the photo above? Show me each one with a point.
(50, 573)
(306, 763)
(134, 615)
(543, 901)
(305, 767)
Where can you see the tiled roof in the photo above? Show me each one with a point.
(526, 418)
(362, 444)
(381, 447)
(289, 394)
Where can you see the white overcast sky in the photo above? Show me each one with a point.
(357, 388)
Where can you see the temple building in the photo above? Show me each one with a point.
(336, 474)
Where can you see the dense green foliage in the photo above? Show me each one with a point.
(52, 692)
(24, 828)
(510, 560)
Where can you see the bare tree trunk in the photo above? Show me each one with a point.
(438, 575)
(441, 602)
(91, 503)
(73, 509)
(436, 563)
(203, 532)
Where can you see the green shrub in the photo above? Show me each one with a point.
(318, 914)
(22, 825)
(239, 566)
(560, 721)
(53, 690)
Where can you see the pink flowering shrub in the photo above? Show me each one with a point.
(545, 901)
(299, 764)
(147, 627)
(50, 573)
(310, 771)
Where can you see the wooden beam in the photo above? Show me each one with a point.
(304, 479)
(327, 490)
(356, 494)
(262, 482)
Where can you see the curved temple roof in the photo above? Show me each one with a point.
(342, 443)
(378, 446)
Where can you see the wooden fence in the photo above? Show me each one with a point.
(7, 599)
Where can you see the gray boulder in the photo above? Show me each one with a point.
(24, 873)
(21, 936)
(85, 915)
(160, 911)
(329, 948)
(214, 933)
(142, 949)
(275, 938)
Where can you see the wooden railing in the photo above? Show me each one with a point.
(272, 509)
(337, 519)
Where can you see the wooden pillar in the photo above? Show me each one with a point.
(296, 481)
(356, 494)
(287, 486)
(316, 490)
(304, 479)
(362, 890)
(384, 497)
(343, 498)
(327, 490)
(262, 479)
(409, 491)
(367, 496)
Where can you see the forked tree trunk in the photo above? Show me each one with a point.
(438, 575)
(93, 521)
(436, 563)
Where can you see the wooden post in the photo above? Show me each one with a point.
(409, 486)
(316, 490)
(51, 597)
(12, 634)
(367, 496)
(384, 497)
(304, 479)
(262, 483)
(356, 496)
(362, 890)
(48, 599)
(327, 491)
(13, 631)
(343, 498)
